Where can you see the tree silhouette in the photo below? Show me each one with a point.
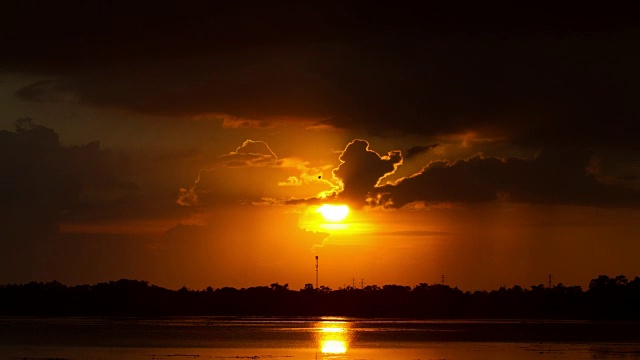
(614, 298)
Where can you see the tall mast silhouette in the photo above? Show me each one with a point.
(316, 272)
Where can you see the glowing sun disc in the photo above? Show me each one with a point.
(334, 213)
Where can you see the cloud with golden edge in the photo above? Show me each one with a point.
(362, 169)
(253, 174)
(554, 176)
(251, 153)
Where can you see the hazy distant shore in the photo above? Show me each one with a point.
(607, 298)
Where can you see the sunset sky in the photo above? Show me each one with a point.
(193, 144)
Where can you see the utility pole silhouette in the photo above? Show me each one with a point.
(550, 277)
(362, 283)
(353, 283)
(442, 279)
(316, 272)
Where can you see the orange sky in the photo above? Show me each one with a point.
(484, 153)
(252, 219)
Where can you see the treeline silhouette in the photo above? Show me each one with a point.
(612, 298)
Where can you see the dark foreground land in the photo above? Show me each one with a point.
(607, 298)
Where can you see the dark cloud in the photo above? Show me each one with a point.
(43, 183)
(79, 34)
(40, 91)
(553, 177)
(411, 152)
(539, 75)
(361, 170)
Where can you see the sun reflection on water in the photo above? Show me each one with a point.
(333, 337)
(329, 330)
(333, 347)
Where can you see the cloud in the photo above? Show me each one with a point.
(291, 181)
(251, 153)
(45, 91)
(564, 176)
(253, 174)
(189, 197)
(555, 176)
(420, 149)
(43, 183)
(431, 68)
(362, 169)
(229, 122)
(59, 204)
(63, 208)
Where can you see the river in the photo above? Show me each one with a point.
(176, 338)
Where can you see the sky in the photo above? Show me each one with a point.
(193, 143)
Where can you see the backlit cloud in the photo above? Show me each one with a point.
(553, 177)
(362, 169)
(253, 174)
(420, 149)
(251, 153)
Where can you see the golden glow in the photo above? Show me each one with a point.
(319, 219)
(333, 227)
(333, 336)
(333, 330)
(333, 347)
(334, 213)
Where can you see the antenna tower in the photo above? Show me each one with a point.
(316, 272)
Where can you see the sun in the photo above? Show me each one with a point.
(334, 213)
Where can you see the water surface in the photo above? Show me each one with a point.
(313, 338)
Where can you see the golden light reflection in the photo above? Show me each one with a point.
(333, 347)
(333, 337)
(330, 330)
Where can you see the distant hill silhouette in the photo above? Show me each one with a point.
(607, 298)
